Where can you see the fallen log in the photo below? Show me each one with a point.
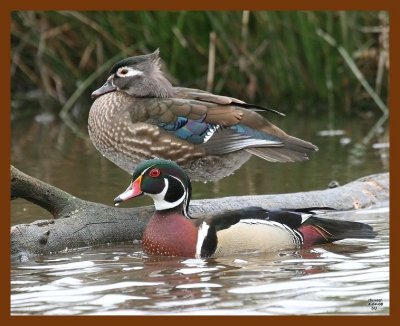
(79, 223)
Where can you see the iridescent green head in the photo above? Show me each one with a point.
(164, 181)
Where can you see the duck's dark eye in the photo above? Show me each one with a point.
(154, 173)
(123, 71)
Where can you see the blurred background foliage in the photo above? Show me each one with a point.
(292, 61)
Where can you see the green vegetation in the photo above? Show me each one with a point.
(293, 61)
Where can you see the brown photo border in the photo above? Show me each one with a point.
(7, 6)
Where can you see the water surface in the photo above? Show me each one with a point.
(341, 278)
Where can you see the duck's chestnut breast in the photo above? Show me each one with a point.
(170, 235)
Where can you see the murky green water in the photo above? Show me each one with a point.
(339, 278)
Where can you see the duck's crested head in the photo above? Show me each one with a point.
(163, 180)
(143, 62)
(138, 76)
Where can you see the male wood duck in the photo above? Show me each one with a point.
(137, 114)
(173, 232)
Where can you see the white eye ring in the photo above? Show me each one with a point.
(128, 72)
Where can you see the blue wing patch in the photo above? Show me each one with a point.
(199, 132)
(194, 131)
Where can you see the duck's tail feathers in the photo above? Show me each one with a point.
(317, 230)
(293, 149)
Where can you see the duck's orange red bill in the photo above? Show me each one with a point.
(132, 191)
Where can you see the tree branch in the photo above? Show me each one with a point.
(78, 223)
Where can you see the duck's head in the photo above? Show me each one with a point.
(164, 181)
(138, 76)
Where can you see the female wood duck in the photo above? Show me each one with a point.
(137, 114)
(173, 232)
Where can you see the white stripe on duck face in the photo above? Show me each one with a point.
(254, 235)
(128, 72)
(159, 199)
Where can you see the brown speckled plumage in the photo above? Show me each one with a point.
(128, 118)
(126, 142)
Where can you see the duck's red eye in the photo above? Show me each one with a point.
(123, 71)
(154, 173)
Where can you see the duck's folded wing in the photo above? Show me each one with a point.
(200, 95)
(169, 110)
(291, 217)
(221, 129)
